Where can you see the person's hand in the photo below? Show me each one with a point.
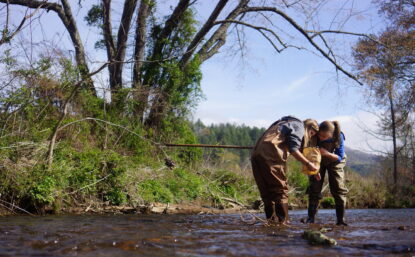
(311, 166)
(317, 176)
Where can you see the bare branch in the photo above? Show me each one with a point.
(305, 34)
(260, 30)
(202, 32)
(6, 38)
(218, 39)
(319, 33)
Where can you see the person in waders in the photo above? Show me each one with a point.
(333, 160)
(269, 162)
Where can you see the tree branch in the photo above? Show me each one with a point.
(7, 38)
(218, 39)
(305, 34)
(202, 32)
(260, 30)
(318, 33)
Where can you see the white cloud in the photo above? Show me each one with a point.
(297, 83)
(357, 131)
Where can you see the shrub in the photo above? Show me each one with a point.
(327, 202)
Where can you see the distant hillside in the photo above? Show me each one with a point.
(361, 162)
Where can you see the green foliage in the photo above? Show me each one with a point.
(44, 191)
(327, 202)
(185, 185)
(178, 131)
(116, 197)
(94, 16)
(155, 191)
(296, 178)
(181, 185)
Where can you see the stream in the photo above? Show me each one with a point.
(371, 232)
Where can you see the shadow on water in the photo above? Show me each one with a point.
(371, 233)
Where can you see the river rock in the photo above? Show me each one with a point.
(317, 238)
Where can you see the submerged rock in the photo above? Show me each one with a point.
(318, 238)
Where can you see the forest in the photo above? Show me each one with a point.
(81, 131)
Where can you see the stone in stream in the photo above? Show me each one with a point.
(318, 238)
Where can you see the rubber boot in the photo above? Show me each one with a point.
(281, 210)
(312, 211)
(340, 210)
(269, 210)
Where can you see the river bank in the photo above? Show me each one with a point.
(191, 208)
(153, 208)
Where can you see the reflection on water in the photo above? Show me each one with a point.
(371, 232)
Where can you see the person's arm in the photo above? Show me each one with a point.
(338, 154)
(331, 156)
(300, 157)
(340, 150)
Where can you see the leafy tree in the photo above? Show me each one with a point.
(386, 63)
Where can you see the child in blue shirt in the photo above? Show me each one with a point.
(333, 161)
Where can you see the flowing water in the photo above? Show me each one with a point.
(370, 233)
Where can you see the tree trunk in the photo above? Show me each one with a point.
(141, 91)
(109, 43)
(395, 153)
(157, 55)
(116, 53)
(124, 28)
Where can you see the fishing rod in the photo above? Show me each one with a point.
(209, 146)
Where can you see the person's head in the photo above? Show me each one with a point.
(310, 129)
(328, 130)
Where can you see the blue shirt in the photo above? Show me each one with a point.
(339, 151)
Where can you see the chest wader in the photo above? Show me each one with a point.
(269, 165)
(336, 183)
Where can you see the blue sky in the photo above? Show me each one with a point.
(267, 85)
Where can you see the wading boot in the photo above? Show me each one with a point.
(312, 211)
(340, 209)
(281, 210)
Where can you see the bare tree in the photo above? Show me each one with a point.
(386, 65)
(64, 12)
